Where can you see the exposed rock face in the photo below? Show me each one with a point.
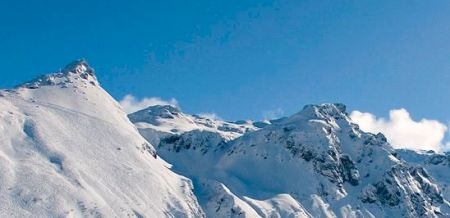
(349, 171)
(195, 140)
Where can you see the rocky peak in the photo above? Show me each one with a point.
(323, 111)
(78, 70)
(79, 67)
(164, 109)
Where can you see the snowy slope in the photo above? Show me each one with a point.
(316, 163)
(68, 150)
(437, 165)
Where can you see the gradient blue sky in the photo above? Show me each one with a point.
(240, 59)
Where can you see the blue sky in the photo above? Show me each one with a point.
(242, 59)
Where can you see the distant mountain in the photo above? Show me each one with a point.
(316, 163)
(68, 150)
(160, 120)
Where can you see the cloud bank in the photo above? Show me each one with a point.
(131, 104)
(403, 132)
(212, 116)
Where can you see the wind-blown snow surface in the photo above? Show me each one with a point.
(316, 163)
(68, 149)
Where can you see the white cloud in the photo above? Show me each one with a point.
(403, 132)
(131, 104)
(273, 114)
(446, 147)
(212, 116)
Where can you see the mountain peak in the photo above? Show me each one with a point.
(339, 107)
(79, 66)
(336, 110)
(162, 109)
(78, 70)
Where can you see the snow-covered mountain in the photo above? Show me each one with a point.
(316, 163)
(67, 149)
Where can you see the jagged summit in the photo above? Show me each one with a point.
(337, 107)
(78, 70)
(335, 110)
(79, 66)
(328, 112)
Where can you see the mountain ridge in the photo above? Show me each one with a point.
(347, 160)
